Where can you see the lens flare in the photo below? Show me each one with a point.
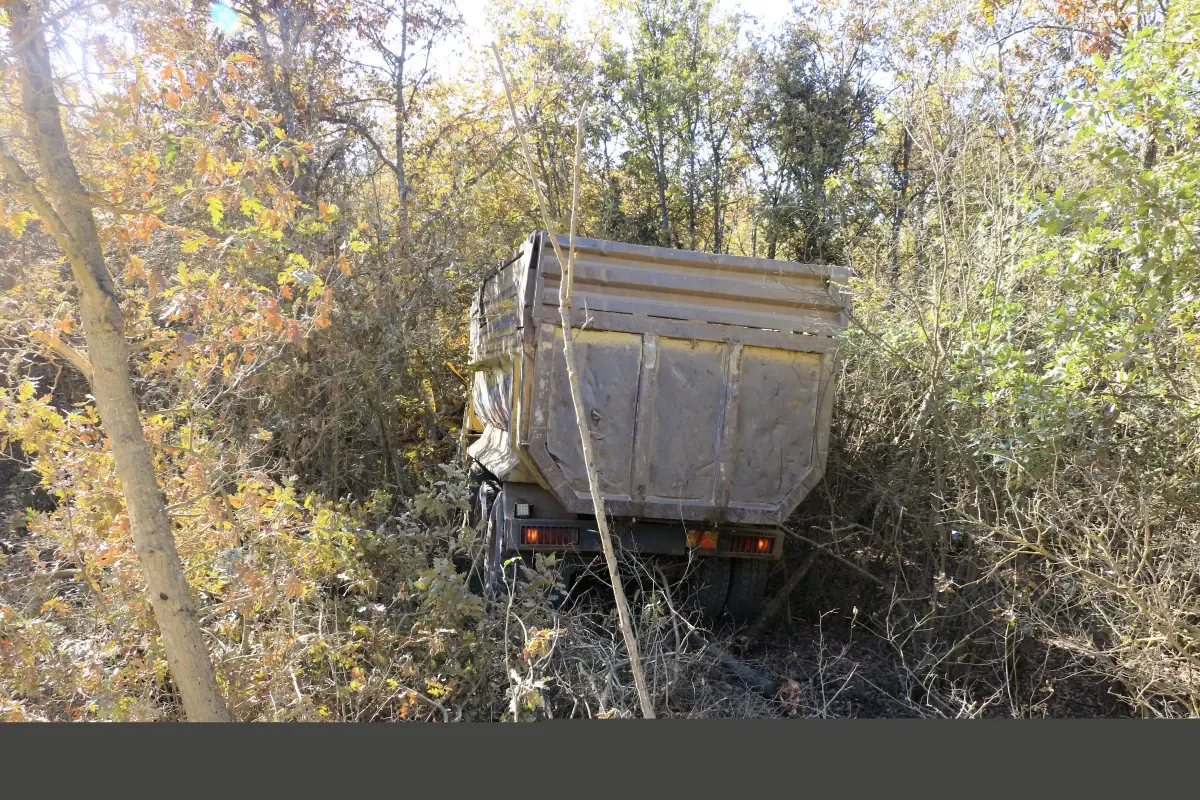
(224, 17)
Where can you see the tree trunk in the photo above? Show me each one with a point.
(566, 279)
(773, 228)
(718, 241)
(401, 123)
(660, 158)
(67, 213)
(585, 439)
(901, 204)
(693, 191)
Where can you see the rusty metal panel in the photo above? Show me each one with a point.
(776, 423)
(647, 415)
(701, 331)
(689, 400)
(609, 364)
(657, 282)
(496, 314)
(729, 431)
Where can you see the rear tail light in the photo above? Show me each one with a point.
(760, 545)
(702, 540)
(543, 536)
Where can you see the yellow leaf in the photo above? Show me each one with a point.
(264, 434)
(56, 605)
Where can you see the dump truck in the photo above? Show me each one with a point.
(708, 385)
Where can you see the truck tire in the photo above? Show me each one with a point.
(485, 503)
(493, 557)
(747, 588)
(710, 586)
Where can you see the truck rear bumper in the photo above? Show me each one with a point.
(644, 538)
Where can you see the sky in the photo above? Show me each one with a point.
(770, 11)
(478, 35)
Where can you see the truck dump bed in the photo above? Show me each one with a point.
(707, 379)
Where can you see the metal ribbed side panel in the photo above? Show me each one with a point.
(678, 285)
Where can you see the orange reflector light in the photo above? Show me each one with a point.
(759, 545)
(549, 536)
(702, 540)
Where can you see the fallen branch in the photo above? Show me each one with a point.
(753, 678)
(847, 562)
(458, 375)
(41, 577)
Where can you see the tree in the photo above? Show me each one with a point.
(65, 209)
(811, 111)
(407, 73)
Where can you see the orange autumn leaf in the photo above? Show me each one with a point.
(135, 269)
(173, 99)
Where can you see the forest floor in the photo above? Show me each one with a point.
(826, 657)
(844, 667)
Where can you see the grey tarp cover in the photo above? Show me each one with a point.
(490, 399)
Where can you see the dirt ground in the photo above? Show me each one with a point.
(841, 666)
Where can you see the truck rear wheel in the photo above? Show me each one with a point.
(486, 558)
(747, 588)
(497, 578)
(710, 586)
